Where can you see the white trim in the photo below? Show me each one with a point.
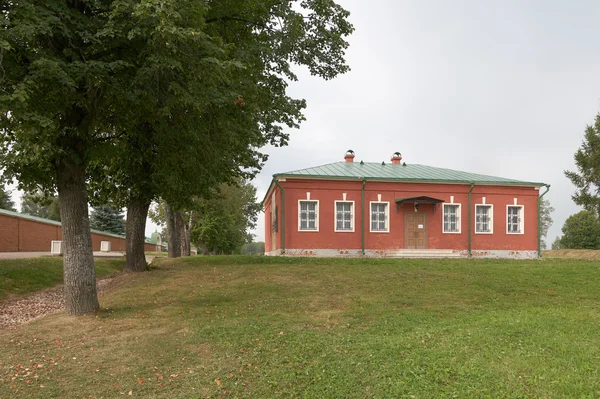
(316, 229)
(452, 199)
(387, 216)
(352, 216)
(459, 212)
(378, 197)
(515, 201)
(343, 196)
(308, 195)
(491, 218)
(483, 201)
(521, 222)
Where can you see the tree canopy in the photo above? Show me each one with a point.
(135, 100)
(587, 176)
(545, 220)
(6, 201)
(41, 205)
(580, 231)
(107, 219)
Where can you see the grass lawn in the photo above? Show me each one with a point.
(240, 327)
(23, 276)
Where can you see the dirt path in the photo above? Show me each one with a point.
(14, 312)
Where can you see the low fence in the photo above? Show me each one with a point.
(25, 233)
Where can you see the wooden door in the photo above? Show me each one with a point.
(415, 230)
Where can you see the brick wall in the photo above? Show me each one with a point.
(20, 234)
(327, 192)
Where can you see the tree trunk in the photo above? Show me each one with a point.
(78, 257)
(185, 231)
(203, 247)
(174, 233)
(135, 234)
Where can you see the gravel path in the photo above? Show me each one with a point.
(19, 311)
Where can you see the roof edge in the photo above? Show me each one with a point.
(413, 180)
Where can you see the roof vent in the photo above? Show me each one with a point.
(349, 157)
(403, 163)
(362, 163)
(396, 158)
(383, 163)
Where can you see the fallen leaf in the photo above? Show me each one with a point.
(140, 380)
(130, 393)
(159, 377)
(218, 381)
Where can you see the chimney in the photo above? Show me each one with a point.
(349, 157)
(396, 158)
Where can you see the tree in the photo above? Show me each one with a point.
(557, 244)
(6, 201)
(254, 248)
(145, 100)
(587, 177)
(224, 219)
(41, 205)
(107, 219)
(581, 231)
(545, 220)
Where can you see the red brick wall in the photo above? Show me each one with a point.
(23, 235)
(329, 191)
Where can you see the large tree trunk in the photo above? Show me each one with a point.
(79, 269)
(186, 230)
(135, 235)
(203, 247)
(174, 233)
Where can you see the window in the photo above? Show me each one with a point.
(379, 216)
(451, 218)
(308, 215)
(484, 219)
(514, 223)
(344, 215)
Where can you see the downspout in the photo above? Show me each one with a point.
(282, 216)
(540, 220)
(470, 217)
(362, 217)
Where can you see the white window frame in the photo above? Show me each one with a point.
(387, 217)
(491, 222)
(459, 214)
(316, 216)
(521, 222)
(352, 217)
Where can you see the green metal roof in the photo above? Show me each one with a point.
(400, 172)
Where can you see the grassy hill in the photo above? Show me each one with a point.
(240, 327)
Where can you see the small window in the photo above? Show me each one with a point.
(483, 219)
(308, 215)
(451, 218)
(514, 223)
(379, 216)
(344, 215)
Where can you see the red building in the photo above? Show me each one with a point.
(25, 233)
(398, 209)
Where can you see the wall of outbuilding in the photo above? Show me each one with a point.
(20, 234)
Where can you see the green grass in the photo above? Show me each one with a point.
(22, 276)
(261, 327)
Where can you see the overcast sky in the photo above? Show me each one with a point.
(499, 88)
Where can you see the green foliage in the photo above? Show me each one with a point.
(581, 231)
(587, 177)
(224, 219)
(107, 219)
(6, 201)
(557, 244)
(545, 220)
(253, 248)
(42, 205)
